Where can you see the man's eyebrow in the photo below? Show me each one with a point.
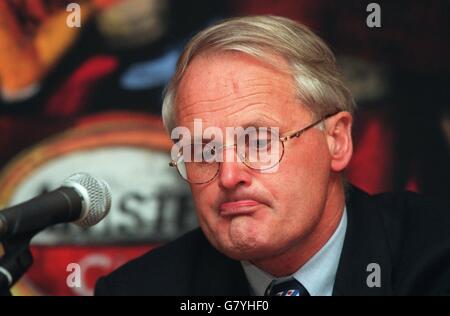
(260, 122)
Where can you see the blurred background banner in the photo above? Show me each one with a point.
(151, 204)
(88, 98)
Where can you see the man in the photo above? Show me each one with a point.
(288, 225)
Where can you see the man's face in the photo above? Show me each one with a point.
(247, 214)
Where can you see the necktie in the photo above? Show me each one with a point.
(290, 287)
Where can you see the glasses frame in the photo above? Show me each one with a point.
(283, 139)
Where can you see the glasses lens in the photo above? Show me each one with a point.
(261, 149)
(195, 169)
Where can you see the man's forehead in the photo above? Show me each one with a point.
(219, 77)
(232, 86)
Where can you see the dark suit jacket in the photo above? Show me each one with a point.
(405, 234)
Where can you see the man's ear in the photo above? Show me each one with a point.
(339, 138)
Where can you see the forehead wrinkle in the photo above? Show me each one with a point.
(262, 120)
(256, 107)
(257, 119)
(200, 102)
(231, 104)
(192, 116)
(237, 86)
(263, 82)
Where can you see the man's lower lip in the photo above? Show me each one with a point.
(238, 208)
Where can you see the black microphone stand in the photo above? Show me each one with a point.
(15, 262)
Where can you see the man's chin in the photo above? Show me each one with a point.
(243, 239)
(239, 250)
(240, 255)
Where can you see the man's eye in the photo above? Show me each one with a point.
(260, 143)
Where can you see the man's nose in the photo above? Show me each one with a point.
(233, 173)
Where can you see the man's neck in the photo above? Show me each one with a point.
(295, 257)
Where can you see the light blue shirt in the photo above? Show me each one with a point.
(317, 275)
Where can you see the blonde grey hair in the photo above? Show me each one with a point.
(318, 81)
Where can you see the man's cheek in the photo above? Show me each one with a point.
(199, 200)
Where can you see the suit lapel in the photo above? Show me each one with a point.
(365, 255)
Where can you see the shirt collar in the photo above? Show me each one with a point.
(317, 275)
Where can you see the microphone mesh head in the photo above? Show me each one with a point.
(96, 196)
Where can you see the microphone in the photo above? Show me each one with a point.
(81, 199)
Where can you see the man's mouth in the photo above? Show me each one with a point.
(240, 207)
